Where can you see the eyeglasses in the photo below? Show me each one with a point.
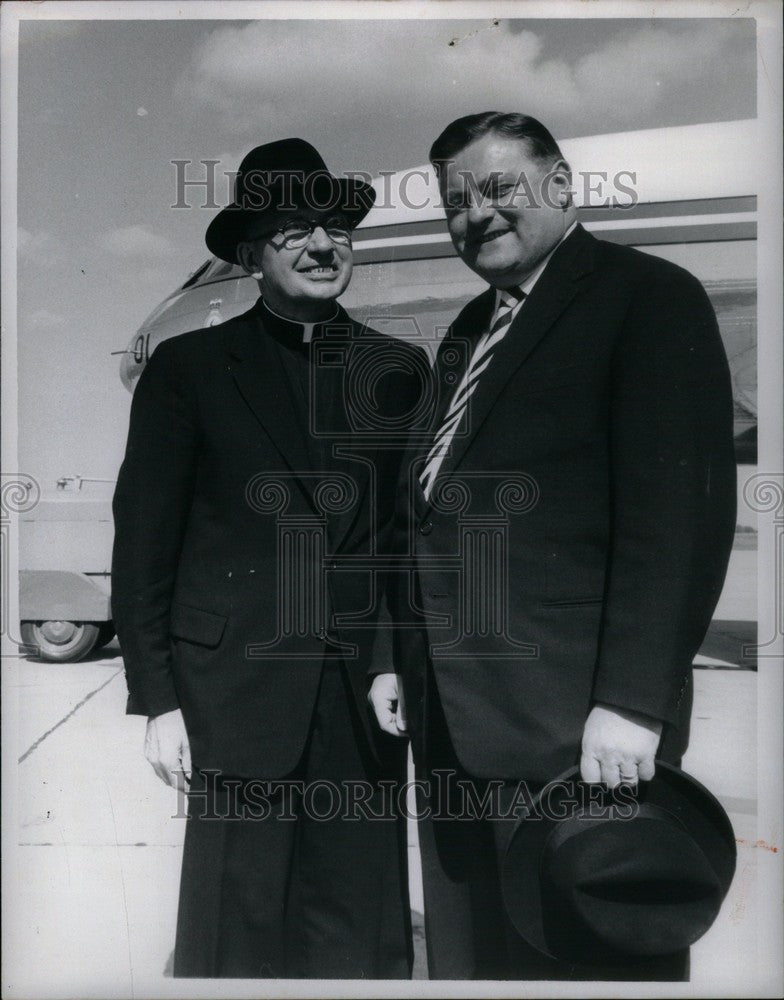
(297, 232)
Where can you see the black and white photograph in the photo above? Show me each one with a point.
(392, 499)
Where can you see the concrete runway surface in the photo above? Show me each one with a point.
(97, 866)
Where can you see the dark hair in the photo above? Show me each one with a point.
(463, 131)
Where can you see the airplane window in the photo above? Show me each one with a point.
(196, 275)
(223, 269)
(212, 270)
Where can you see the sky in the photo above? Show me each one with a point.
(104, 107)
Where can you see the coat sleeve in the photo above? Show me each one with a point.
(673, 498)
(411, 395)
(151, 506)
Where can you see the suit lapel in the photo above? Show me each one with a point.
(452, 360)
(552, 293)
(255, 368)
(457, 348)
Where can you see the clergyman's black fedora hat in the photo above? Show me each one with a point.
(278, 177)
(615, 883)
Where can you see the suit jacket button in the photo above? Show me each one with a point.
(425, 527)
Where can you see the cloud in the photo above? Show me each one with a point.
(399, 78)
(137, 241)
(640, 62)
(268, 75)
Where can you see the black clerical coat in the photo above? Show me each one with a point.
(251, 512)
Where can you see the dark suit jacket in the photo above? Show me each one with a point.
(593, 577)
(240, 560)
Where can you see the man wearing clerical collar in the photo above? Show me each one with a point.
(258, 474)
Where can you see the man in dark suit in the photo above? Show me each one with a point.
(570, 520)
(255, 496)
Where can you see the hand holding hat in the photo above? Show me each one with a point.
(618, 745)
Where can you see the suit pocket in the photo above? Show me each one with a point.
(195, 625)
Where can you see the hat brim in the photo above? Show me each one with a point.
(233, 224)
(671, 789)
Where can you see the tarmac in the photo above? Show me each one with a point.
(95, 864)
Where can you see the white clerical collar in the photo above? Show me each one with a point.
(307, 328)
(526, 286)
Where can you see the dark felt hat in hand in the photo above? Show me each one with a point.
(612, 883)
(280, 177)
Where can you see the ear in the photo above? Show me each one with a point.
(246, 258)
(560, 178)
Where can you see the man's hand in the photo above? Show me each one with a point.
(386, 697)
(619, 746)
(166, 748)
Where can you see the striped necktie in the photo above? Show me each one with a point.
(509, 302)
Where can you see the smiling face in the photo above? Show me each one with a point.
(505, 209)
(300, 281)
